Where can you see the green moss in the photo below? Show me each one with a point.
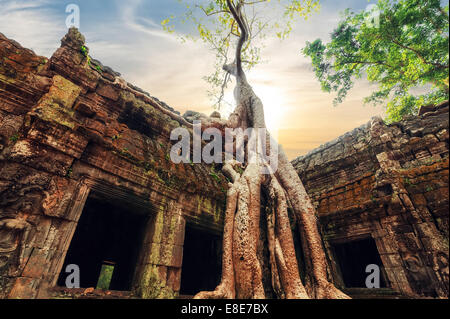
(105, 277)
(14, 138)
(57, 114)
(214, 175)
(152, 286)
(159, 225)
(147, 166)
(56, 105)
(160, 179)
(116, 137)
(125, 153)
(84, 51)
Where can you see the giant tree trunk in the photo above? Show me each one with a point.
(241, 268)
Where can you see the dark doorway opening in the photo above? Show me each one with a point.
(353, 258)
(202, 261)
(107, 234)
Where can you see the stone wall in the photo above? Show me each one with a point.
(70, 126)
(389, 183)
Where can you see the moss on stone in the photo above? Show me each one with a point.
(152, 286)
(56, 105)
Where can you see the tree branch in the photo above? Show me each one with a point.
(212, 12)
(236, 12)
(419, 55)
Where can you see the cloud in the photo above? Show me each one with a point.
(11, 6)
(32, 24)
(131, 19)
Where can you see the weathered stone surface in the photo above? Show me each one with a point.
(69, 125)
(388, 182)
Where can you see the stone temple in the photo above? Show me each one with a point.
(86, 179)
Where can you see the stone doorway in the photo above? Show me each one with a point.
(202, 261)
(353, 257)
(106, 244)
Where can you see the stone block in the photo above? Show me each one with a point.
(39, 157)
(391, 260)
(108, 91)
(163, 254)
(174, 278)
(59, 137)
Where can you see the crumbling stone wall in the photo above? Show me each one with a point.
(388, 182)
(70, 126)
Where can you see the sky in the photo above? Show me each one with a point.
(127, 36)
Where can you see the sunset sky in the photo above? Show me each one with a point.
(126, 35)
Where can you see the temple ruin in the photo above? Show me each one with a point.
(381, 193)
(86, 179)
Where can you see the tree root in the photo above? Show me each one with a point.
(241, 269)
(319, 286)
(285, 257)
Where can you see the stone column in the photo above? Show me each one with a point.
(158, 273)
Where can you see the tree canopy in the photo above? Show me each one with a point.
(401, 45)
(215, 25)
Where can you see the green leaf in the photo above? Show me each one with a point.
(407, 50)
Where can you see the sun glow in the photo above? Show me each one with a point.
(272, 99)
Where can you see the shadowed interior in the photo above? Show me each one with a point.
(202, 261)
(107, 233)
(353, 257)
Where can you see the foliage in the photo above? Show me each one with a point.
(69, 172)
(215, 26)
(85, 52)
(14, 138)
(405, 53)
(105, 277)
